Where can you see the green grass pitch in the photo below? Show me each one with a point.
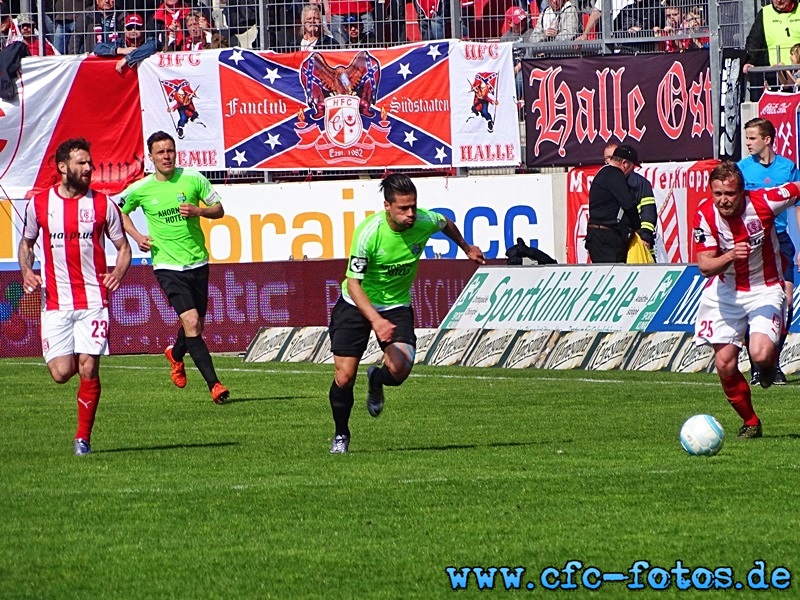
(465, 468)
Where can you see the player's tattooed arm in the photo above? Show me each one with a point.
(26, 257)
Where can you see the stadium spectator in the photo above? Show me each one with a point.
(613, 215)
(376, 296)
(27, 29)
(673, 25)
(311, 33)
(431, 18)
(103, 24)
(738, 250)
(391, 15)
(134, 46)
(170, 199)
(645, 199)
(64, 17)
(791, 78)
(596, 14)
(169, 24)
(200, 35)
(517, 32)
(338, 10)
(765, 169)
(355, 35)
(75, 320)
(558, 22)
(641, 18)
(9, 32)
(694, 24)
(775, 30)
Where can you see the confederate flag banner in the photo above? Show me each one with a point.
(660, 104)
(396, 107)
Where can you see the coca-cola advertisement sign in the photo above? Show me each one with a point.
(660, 104)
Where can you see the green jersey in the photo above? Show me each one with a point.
(178, 242)
(386, 261)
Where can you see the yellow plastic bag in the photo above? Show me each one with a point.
(638, 253)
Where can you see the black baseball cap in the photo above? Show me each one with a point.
(628, 153)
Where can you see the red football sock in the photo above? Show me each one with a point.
(737, 390)
(88, 399)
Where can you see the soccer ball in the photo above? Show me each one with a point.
(702, 435)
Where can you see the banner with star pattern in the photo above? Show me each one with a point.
(426, 105)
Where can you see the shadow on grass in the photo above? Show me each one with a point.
(467, 446)
(168, 447)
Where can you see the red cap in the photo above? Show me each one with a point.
(516, 15)
(134, 19)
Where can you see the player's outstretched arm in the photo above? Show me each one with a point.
(473, 252)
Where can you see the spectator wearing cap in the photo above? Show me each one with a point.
(558, 22)
(642, 192)
(312, 34)
(613, 216)
(134, 46)
(518, 32)
(27, 29)
(355, 37)
(103, 24)
(338, 10)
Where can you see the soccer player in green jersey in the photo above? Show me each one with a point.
(170, 199)
(376, 296)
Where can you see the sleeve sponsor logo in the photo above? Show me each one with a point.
(358, 264)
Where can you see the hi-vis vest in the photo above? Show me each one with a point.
(780, 30)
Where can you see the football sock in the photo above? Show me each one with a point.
(202, 359)
(383, 376)
(88, 399)
(341, 406)
(738, 393)
(179, 347)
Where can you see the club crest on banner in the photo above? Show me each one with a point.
(342, 121)
(342, 96)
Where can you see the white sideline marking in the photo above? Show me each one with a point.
(106, 366)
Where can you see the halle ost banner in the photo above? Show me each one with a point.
(660, 104)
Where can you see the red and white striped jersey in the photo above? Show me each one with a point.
(73, 246)
(756, 225)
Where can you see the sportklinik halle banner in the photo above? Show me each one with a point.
(660, 104)
(427, 105)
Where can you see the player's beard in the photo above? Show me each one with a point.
(76, 182)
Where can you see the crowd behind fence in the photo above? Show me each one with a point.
(75, 26)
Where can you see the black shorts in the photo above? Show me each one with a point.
(349, 329)
(185, 290)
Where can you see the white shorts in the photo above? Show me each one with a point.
(67, 332)
(724, 315)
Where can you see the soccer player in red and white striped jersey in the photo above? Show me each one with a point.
(73, 221)
(738, 249)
